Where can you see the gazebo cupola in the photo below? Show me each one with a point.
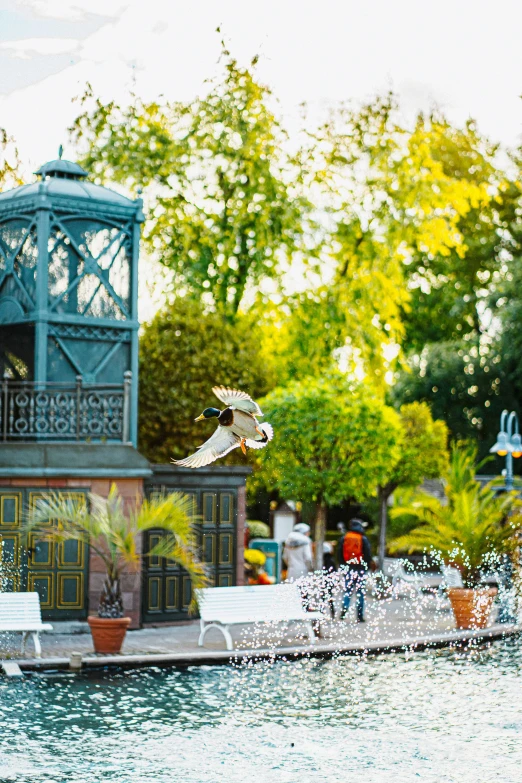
(68, 309)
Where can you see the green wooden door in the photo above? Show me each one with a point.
(11, 570)
(57, 572)
(167, 590)
(217, 537)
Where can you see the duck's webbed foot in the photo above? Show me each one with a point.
(242, 444)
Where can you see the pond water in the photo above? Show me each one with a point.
(436, 716)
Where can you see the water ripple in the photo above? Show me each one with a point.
(442, 716)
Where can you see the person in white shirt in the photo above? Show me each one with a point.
(297, 552)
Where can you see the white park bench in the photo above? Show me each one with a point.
(221, 607)
(20, 613)
(401, 577)
(452, 577)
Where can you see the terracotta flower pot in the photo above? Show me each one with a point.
(472, 607)
(108, 633)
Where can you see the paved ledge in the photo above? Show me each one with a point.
(69, 628)
(223, 657)
(73, 460)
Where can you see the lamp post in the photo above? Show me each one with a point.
(509, 444)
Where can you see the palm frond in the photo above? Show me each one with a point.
(471, 528)
(113, 531)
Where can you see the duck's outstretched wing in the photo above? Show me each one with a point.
(220, 443)
(237, 399)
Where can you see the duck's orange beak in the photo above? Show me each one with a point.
(200, 418)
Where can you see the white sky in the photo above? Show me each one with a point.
(465, 55)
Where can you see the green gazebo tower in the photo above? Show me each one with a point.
(68, 308)
(68, 372)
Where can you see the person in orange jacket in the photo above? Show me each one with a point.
(355, 559)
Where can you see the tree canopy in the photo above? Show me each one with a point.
(225, 208)
(424, 449)
(423, 455)
(448, 289)
(404, 212)
(465, 383)
(463, 350)
(382, 248)
(9, 162)
(333, 442)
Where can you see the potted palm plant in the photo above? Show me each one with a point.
(471, 529)
(113, 533)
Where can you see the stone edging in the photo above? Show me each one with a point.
(224, 657)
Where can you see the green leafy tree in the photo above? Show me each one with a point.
(258, 529)
(449, 290)
(506, 302)
(114, 534)
(470, 529)
(183, 354)
(466, 383)
(391, 182)
(225, 207)
(10, 164)
(398, 232)
(423, 455)
(461, 329)
(332, 442)
(393, 202)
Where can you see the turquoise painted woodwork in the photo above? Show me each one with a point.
(273, 551)
(68, 307)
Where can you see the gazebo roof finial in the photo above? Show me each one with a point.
(64, 169)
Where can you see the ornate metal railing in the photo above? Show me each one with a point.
(32, 411)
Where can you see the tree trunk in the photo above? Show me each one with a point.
(320, 530)
(383, 519)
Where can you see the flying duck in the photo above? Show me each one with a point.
(237, 426)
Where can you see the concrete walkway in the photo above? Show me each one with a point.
(392, 624)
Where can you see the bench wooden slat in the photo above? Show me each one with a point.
(8, 612)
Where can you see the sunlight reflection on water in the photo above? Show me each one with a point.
(440, 716)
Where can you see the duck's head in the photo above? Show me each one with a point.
(208, 413)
